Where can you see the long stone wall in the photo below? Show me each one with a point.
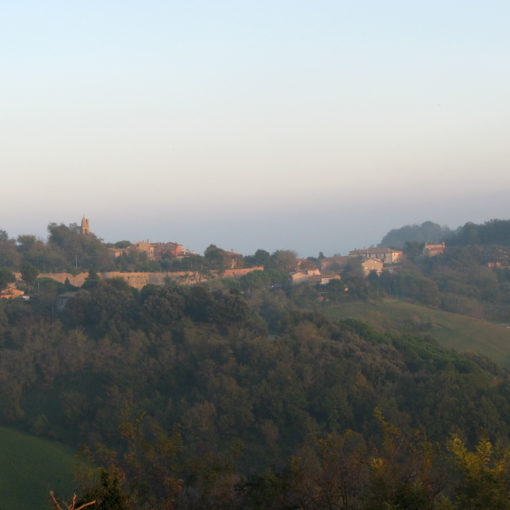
(76, 280)
(238, 273)
(140, 280)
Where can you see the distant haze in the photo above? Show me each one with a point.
(314, 126)
(327, 227)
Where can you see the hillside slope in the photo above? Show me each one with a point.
(454, 331)
(29, 468)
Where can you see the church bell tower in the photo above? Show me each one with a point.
(85, 227)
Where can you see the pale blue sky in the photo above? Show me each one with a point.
(275, 124)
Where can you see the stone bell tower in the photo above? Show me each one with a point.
(85, 227)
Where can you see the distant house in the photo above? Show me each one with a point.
(327, 279)
(370, 265)
(306, 264)
(431, 250)
(144, 247)
(11, 293)
(305, 276)
(117, 252)
(161, 249)
(383, 254)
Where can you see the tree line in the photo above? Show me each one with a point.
(66, 249)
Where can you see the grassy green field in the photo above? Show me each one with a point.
(454, 331)
(29, 468)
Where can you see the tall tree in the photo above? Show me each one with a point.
(29, 273)
(6, 277)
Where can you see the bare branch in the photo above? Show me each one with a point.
(55, 501)
(86, 504)
(72, 506)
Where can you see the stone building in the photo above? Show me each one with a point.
(370, 265)
(431, 250)
(161, 249)
(144, 247)
(385, 255)
(11, 292)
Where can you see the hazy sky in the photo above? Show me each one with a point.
(273, 124)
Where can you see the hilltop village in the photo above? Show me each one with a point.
(144, 262)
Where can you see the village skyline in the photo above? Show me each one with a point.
(330, 228)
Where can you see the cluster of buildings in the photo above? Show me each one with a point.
(152, 250)
(313, 276)
(329, 268)
(377, 259)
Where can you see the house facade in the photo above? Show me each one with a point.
(431, 250)
(370, 265)
(383, 254)
(11, 293)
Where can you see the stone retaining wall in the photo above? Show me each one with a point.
(140, 279)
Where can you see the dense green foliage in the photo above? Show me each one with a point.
(427, 232)
(331, 471)
(193, 354)
(490, 233)
(256, 377)
(6, 277)
(493, 232)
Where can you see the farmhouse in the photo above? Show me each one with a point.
(385, 255)
(370, 265)
(431, 250)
